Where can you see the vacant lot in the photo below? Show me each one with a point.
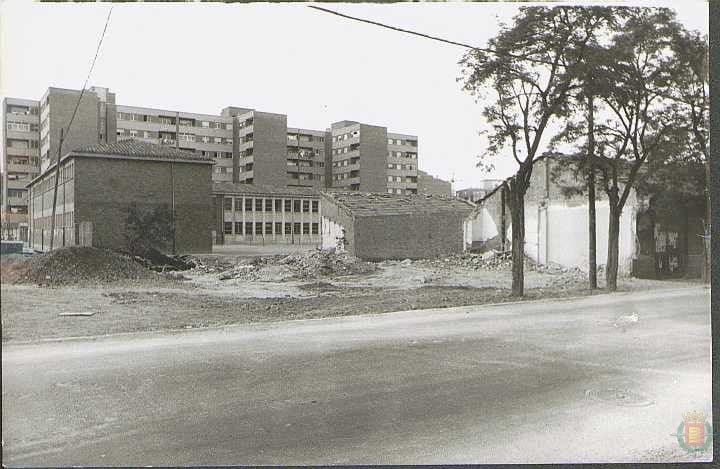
(300, 286)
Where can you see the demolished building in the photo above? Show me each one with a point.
(374, 226)
(659, 238)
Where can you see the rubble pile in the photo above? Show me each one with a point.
(326, 263)
(308, 265)
(491, 260)
(81, 265)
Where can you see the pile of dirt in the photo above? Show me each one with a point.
(77, 266)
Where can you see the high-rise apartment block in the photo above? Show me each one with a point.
(247, 146)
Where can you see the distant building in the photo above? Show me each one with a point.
(99, 183)
(430, 185)
(258, 214)
(475, 194)
(388, 226)
(248, 146)
(367, 158)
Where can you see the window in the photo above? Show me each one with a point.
(227, 203)
(227, 228)
(278, 228)
(238, 204)
(248, 204)
(278, 205)
(268, 228)
(296, 206)
(306, 206)
(205, 124)
(248, 228)
(315, 205)
(287, 205)
(315, 229)
(268, 205)
(258, 228)
(258, 205)
(296, 228)
(306, 228)
(217, 139)
(238, 227)
(288, 228)
(390, 179)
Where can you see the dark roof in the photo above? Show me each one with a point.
(367, 204)
(262, 189)
(138, 149)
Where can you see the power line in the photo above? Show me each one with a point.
(427, 36)
(64, 132)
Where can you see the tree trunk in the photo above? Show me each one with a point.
(592, 230)
(517, 212)
(613, 248)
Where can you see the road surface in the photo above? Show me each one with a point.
(551, 381)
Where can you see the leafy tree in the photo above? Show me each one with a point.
(691, 96)
(532, 72)
(148, 228)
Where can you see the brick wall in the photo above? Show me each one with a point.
(414, 236)
(105, 188)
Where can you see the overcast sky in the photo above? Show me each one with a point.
(286, 58)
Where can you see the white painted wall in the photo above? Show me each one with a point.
(331, 231)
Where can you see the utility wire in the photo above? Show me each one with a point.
(427, 36)
(64, 132)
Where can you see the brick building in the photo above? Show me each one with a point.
(258, 214)
(98, 184)
(388, 226)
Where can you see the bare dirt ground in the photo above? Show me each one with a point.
(231, 289)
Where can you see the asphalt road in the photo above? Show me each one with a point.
(548, 381)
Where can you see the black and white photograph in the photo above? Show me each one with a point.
(324, 233)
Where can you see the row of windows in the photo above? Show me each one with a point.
(270, 205)
(67, 172)
(22, 127)
(341, 176)
(305, 164)
(21, 144)
(24, 161)
(341, 137)
(402, 154)
(217, 154)
(398, 141)
(408, 167)
(22, 110)
(269, 228)
(306, 176)
(401, 179)
(184, 137)
(305, 138)
(305, 153)
(346, 162)
(126, 116)
(62, 220)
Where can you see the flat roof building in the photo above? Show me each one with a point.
(259, 214)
